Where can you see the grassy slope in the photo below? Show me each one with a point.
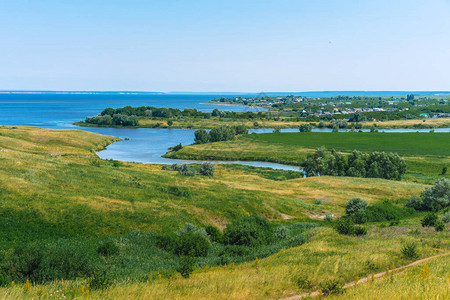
(327, 256)
(411, 284)
(52, 187)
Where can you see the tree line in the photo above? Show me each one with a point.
(357, 164)
(220, 133)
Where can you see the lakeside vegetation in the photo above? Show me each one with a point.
(426, 154)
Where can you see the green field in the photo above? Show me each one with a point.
(411, 144)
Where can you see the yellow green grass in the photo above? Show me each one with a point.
(54, 186)
(435, 122)
(327, 256)
(55, 181)
(215, 121)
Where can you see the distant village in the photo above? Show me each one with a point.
(336, 105)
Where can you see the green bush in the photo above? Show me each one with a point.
(355, 205)
(344, 226)
(409, 251)
(186, 266)
(100, 279)
(317, 201)
(192, 244)
(437, 197)
(303, 282)
(39, 262)
(429, 220)
(380, 212)
(297, 240)
(332, 287)
(281, 232)
(415, 203)
(328, 217)
(214, 234)
(439, 225)
(305, 128)
(108, 248)
(207, 169)
(201, 136)
(359, 230)
(235, 250)
(248, 231)
(166, 242)
(184, 169)
(446, 217)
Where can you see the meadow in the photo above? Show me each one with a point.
(426, 154)
(58, 198)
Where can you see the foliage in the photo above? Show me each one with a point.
(214, 234)
(384, 211)
(355, 205)
(108, 248)
(437, 197)
(100, 279)
(248, 231)
(359, 230)
(176, 148)
(344, 226)
(332, 287)
(186, 266)
(201, 136)
(409, 250)
(446, 217)
(40, 262)
(439, 225)
(414, 202)
(184, 169)
(305, 127)
(328, 217)
(207, 169)
(303, 282)
(281, 232)
(433, 198)
(429, 220)
(372, 165)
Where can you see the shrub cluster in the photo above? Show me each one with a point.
(248, 231)
(380, 212)
(433, 220)
(206, 169)
(117, 120)
(346, 226)
(39, 262)
(217, 134)
(305, 128)
(433, 198)
(358, 164)
(358, 212)
(183, 169)
(188, 241)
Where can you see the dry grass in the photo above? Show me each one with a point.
(397, 123)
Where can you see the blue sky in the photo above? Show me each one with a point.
(247, 46)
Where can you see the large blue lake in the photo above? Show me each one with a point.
(60, 110)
